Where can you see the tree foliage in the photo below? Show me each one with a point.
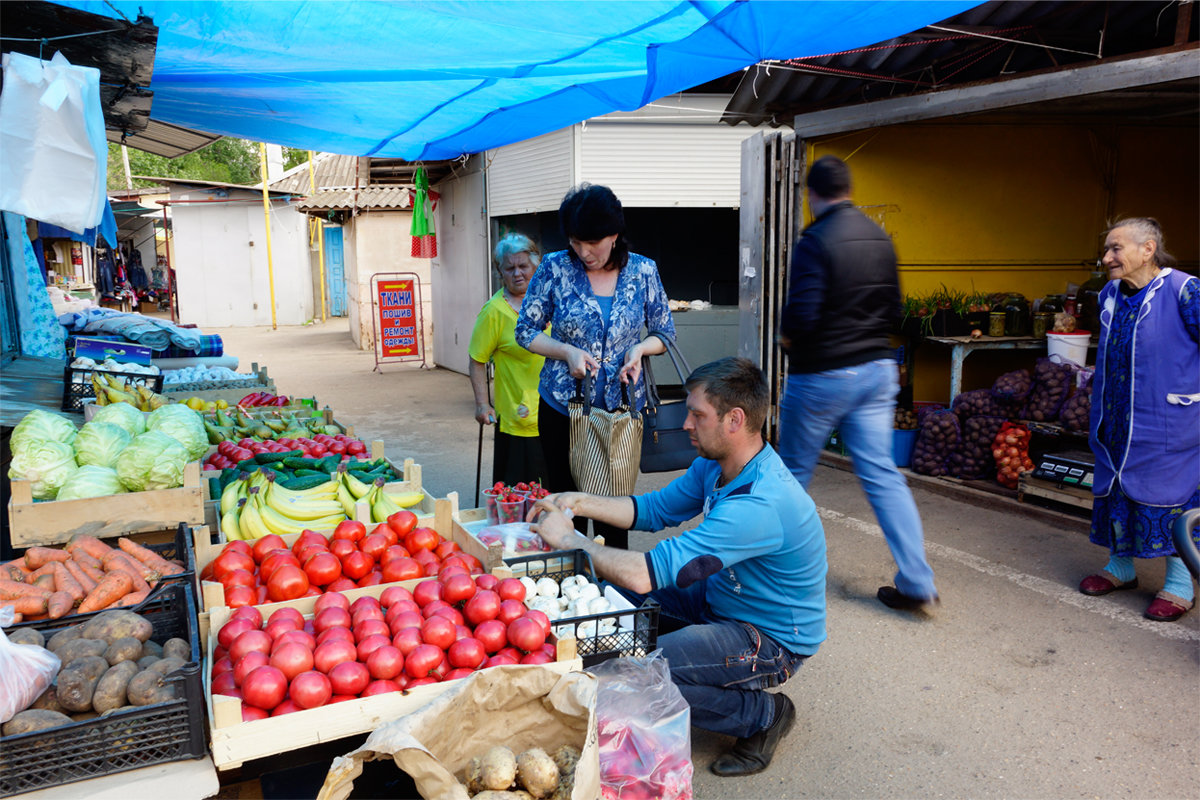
(226, 160)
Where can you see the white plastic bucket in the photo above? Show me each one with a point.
(1071, 347)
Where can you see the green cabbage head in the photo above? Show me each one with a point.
(46, 464)
(91, 481)
(124, 415)
(99, 444)
(152, 460)
(41, 426)
(183, 424)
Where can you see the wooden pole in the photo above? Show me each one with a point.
(262, 168)
(312, 185)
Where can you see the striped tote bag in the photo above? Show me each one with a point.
(606, 446)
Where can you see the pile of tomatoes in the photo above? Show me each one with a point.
(443, 629)
(268, 571)
(229, 452)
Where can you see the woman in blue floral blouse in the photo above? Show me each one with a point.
(598, 297)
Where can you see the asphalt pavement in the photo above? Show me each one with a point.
(1016, 686)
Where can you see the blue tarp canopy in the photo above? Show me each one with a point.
(427, 79)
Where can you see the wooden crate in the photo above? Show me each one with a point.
(1067, 495)
(56, 521)
(231, 395)
(235, 742)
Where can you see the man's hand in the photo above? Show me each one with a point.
(554, 524)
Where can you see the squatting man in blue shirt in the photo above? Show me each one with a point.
(747, 583)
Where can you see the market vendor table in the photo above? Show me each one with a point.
(963, 346)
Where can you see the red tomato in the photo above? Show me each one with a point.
(485, 605)
(393, 552)
(288, 582)
(317, 451)
(448, 611)
(262, 547)
(307, 538)
(323, 568)
(374, 545)
(468, 653)
(526, 634)
(422, 660)
(493, 634)
(291, 659)
(402, 522)
(421, 539)
(437, 631)
(233, 629)
(310, 690)
(336, 632)
(356, 448)
(473, 563)
(405, 619)
(275, 559)
(425, 558)
(542, 619)
(536, 657)
(298, 637)
(445, 548)
(350, 529)
(248, 642)
(510, 610)
(511, 589)
(333, 652)
(330, 618)
(457, 588)
(240, 597)
(342, 547)
(231, 559)
(385, 663)
(487, 581)
(238, 577)
(402, 605)
(225, 684)
(286, 707)
(372, 578)
(340, 585)
(223, 664)
(252, 614)
(252, 714)
(328, 599)
(349, 677)
(357, 564)
(406, 640)
(393, 595)
(382, 687)
(337, 447)
(426, 592)
(249, 662)
(278, 627)
(371, 627)
(287, 612)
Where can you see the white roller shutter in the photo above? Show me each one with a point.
(531, 176)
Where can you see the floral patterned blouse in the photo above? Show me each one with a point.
(561, 295)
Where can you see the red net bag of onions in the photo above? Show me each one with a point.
(1010, 449)
(974, 459)
(937, 438)
(1051, 383)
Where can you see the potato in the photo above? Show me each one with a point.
(177, 648)
(165, 665)
(146, 661)
(84, 716)
(117, 624)
(26, 636)
(537, 772)
(566, 758)
(111, 690)
(471, 776)
(126, 649)
(152, 648)
(498, 768)
(147, 687)
(48, 701)
(34, 720)
(492, 794)
(78, 648)
(62, 637)
(77, 682)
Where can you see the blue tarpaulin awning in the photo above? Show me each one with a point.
(432, 79)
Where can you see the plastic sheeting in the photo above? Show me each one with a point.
(426, 80)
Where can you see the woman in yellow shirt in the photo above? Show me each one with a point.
(517, 452)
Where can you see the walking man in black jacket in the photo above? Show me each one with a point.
(843, 299)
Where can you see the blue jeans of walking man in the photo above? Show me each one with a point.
(860, 402)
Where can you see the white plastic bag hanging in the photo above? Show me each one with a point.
(25, 671)
(53, 153)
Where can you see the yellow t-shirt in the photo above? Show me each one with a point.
(517, 369)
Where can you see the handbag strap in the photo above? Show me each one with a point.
(585, 390)
(652, 398)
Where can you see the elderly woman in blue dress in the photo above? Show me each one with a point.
(598, 297)
(1145, 420)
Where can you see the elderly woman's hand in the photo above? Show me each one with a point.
(581, 362)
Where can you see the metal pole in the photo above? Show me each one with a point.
(320, 227)
(171, 296)
(262, 168)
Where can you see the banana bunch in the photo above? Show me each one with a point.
(255, 505)
(382, 504)
(113, 389)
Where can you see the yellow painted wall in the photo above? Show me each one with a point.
(999, 207)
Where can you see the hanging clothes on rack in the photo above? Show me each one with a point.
(137, 275)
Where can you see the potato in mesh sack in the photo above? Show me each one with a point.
(1013, 387)
(1051, 383)
(979, 403)
(937, 438)
(1076, 413)
(973, 459)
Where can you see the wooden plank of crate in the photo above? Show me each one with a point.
(491, 556)
(1067, 495)
(57, 521)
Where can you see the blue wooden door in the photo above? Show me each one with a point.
(335, 273)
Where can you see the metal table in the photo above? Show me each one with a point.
(963, 346)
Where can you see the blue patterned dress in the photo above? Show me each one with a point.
(1125, 526)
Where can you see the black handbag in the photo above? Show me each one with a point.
(666, 446)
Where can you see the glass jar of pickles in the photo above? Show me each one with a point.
(1043, 321)
(996, 323)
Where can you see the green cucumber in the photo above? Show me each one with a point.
(300, 462)
(249, 465)
(305, 482)
(275, 458)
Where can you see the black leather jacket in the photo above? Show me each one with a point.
(844, 293)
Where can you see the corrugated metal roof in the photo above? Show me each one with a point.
(374, 197)
(330, 171)
(992, 41)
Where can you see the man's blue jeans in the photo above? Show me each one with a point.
(859, 401)
(721, 667)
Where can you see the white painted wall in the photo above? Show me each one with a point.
(220, 260)
(460, 272)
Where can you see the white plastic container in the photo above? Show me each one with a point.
(1071, 346)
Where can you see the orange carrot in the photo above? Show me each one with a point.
(11, 590)
(17, 564)
(26, 605)
(37, 556)
(86, 581)
(149, 557)
(138, 568)
(132, 599)
(11, 573)
(115, 585)
(59, 605)
(45, 569)
(95, 573)
(90, 545)
(66, 582)
(45, 581)
(84, 557)
(119, 562)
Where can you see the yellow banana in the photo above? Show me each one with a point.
(277, 523)
(250, 521)
(299, 510)
(346, 499)
(355, 486)
(382, 507)
(407, 499)
(233, 491)
(258, 479)
(229, 523)
(98, 388)
(326, 491)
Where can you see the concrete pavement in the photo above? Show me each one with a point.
(1017, 686)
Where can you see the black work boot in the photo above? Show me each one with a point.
(753, 754)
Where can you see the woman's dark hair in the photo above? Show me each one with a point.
(589, 213)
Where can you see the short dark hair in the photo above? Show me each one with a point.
(829, 177)
(591, 212)
(734, 382)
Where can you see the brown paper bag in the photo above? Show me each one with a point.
(517, 706)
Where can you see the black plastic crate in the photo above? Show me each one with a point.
(77, 385)
(180, 550)
(122, 740)
(638, 640)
